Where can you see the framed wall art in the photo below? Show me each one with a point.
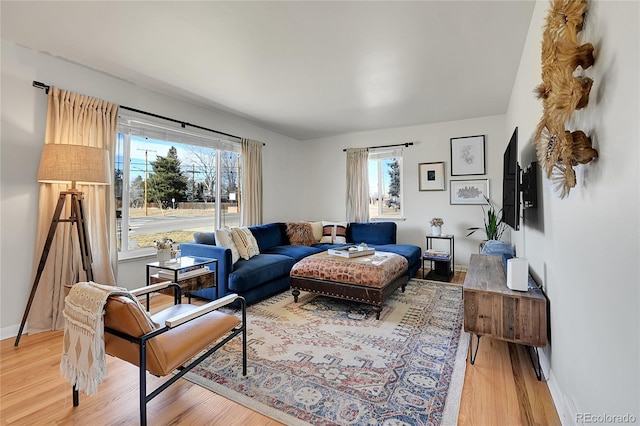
(469, 191)
(431, 176)
(467, 156)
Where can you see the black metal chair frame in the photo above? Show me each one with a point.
(142, 343)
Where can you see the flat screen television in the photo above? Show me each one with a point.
(511, 184)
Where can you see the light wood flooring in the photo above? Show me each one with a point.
(500, 389)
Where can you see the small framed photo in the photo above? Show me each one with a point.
(431, 176)
(469, 191)
(467, 156)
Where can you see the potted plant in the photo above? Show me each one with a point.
(494, 226)
(163, 247)
(436, 226)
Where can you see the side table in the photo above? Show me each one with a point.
(190, 273)
(442, 263)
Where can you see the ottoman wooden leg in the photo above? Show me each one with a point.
(295, 293)
(377, 309)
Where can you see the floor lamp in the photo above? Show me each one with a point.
(65, 163)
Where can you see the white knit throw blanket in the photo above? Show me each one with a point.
(83, 357)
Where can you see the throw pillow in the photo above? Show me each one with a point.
(204, 238)
(225, 239)
(300, 234)
(316, 227)
(245, 242)
(334, 232)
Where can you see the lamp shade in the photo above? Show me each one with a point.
(74, 163)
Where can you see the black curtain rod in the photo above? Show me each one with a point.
(182, 123)
(406, 144)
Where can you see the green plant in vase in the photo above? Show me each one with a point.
(494, 225)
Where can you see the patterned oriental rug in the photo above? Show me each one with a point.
(326, 361)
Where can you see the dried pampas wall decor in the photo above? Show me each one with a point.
(562, 93)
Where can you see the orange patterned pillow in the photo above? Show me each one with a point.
(300, 234)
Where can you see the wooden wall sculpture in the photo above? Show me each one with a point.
(562, 92)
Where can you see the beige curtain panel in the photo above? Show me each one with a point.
(357, 185)
(251, 182)
(78, 120)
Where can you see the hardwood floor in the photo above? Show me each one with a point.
(500, 389)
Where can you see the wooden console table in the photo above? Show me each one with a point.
(492, 309)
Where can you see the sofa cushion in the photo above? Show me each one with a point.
(204, 238)
(258, 271)
(327, 246)
(300, 233)
(410, 252)
(224, 238)
(372, 233)
(334, 232)
(296, 251)
(245, 242)
(270, 235)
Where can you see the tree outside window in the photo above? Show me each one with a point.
(385, 184)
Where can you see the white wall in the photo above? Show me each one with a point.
(23, 122)
(585, 249)
(326, 187)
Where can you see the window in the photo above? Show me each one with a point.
(385, 184)
(166, 184)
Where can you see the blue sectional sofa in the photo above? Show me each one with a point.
(267, 273)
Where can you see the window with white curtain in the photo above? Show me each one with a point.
(385, 184)
(171, 182)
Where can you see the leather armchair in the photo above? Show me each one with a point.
(183, 331)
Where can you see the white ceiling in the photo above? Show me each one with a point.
(303, 69)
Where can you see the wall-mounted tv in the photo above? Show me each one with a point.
(511, 184)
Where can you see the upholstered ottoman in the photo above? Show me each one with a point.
(367, 279)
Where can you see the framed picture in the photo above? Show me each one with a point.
(469, 191)
(467, 156)
(431, 176)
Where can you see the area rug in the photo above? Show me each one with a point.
(326, 361)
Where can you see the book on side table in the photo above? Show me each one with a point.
(437, 254)
(185, 273)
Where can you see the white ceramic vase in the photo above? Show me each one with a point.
(436, 230)
(164, 255)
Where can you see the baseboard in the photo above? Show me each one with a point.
(566, 410)
(9, 332)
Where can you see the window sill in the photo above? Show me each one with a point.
(387, 218)
(136, 254)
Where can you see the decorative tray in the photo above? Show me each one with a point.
(351, 251)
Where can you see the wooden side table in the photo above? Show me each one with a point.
(444, 262)
(190, 273)
(492, 309)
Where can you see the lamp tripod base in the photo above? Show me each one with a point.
(77, 217)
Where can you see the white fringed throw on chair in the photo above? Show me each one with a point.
(83, 358)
